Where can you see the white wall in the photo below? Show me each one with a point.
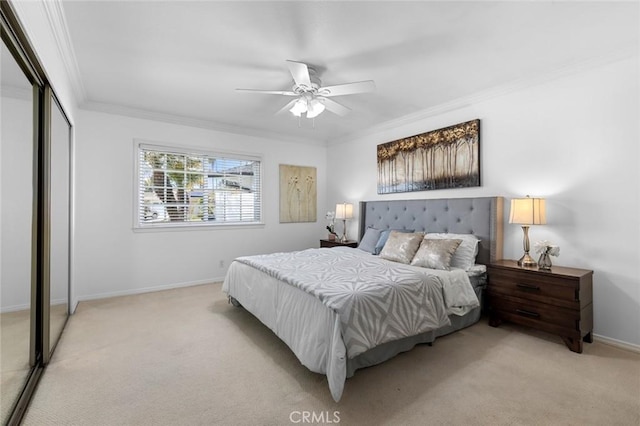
(573, 141)
(110, 258)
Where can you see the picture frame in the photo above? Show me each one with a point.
(298, 194)
(445, 158)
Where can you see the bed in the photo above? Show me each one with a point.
(341, 309)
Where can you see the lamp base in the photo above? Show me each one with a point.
(526, 261)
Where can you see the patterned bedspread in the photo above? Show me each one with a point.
(377, 301)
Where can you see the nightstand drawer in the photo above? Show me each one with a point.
(539, 315)
(552, 290)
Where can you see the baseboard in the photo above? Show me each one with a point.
(146, 289)
(617, 343)
(15, 308)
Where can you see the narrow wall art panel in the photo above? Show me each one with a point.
(298, 194)
(440, 159)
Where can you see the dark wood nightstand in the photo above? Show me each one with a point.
(559, 301)
(337, 243)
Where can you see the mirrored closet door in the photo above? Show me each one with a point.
(18, 221)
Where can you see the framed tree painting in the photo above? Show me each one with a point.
(298, 194)
(440, 159)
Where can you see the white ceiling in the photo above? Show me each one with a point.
(181, 60)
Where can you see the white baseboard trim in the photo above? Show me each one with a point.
(15, 308)
(617, 343)
(145, 290)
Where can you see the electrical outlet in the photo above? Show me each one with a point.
(222, 264)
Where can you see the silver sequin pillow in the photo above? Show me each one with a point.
(435, 253)
(465, 255)
(401, 246)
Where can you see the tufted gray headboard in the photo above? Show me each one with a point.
(480, 216)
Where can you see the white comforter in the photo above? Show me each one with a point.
(350, 302)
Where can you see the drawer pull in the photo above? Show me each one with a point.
(527, 313)
(528, 286)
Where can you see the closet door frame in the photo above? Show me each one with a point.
(50, 101)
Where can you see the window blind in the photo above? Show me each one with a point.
(179, 187)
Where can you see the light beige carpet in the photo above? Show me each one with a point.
(186, 357)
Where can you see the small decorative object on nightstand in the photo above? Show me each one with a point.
(546, 250)
(331, 216)
(338, 243)
(558, 301)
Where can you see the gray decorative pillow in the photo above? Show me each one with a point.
(400, 247)
(435, 253)
(369, 240)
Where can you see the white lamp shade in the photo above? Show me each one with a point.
(344, 211)
(528, 211)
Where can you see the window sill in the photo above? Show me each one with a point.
(197, 227)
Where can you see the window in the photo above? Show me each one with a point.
(180, 187)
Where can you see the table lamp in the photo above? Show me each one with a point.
(527, 211)
(344, 211)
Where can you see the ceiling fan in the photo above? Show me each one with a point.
(311, 98)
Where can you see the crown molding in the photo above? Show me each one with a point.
(626, 52)
(58, 23)
(195, 122)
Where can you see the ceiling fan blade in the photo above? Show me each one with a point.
(335, 107)
(269, 92)
(348, 88)
(287, 107)
(300, 73)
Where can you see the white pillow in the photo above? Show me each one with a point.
(465, 255)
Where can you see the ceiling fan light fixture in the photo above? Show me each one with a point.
(314, 108)
(310, 97)
(299, 107)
